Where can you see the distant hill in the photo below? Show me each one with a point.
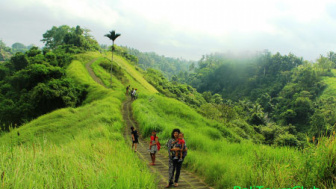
(5, 52)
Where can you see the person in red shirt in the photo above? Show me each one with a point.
(153, 146)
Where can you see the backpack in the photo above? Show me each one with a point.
(158, 145)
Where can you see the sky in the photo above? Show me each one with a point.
(182, 28)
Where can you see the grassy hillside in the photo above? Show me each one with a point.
(226, 160)
(74, 147)
(135, 76)
(84, 148)
(226, 164)
(330, 91)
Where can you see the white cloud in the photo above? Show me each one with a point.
(187, 28)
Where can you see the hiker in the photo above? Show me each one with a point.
(179, 148)
(153, 146)
(131, 93)
(134, 94)
(127, 88)
(134, 139)
(174, 165)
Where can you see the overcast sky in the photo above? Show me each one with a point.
(182, 28)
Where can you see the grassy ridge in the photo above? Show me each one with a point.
(135, 77)
(225, 164)
(74, 148)
(330, 91)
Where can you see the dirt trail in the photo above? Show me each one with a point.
(187, 179)
(94, 77)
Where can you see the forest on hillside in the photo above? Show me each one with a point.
(267, 98)
(168, 65)
(33, 82)
(226, 106)
(271, 98)
(7, 52)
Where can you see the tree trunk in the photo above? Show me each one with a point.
(112, 62)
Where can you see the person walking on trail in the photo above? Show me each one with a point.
(134, 94)
(134, 139)
(153, 146)
(127, 89)
(174, 164)
(131, 92)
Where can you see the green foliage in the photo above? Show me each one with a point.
(326, 64)
(117, 71)
(220, 162)
(19, 61)
(286, 139)
(74, 147)
(176, 114)
(33, 84)
(234, 78)
(181, 92)
(55, 94)
(71, 37)
(210, 111)
(19, 47)
(168, 66)
(280, 89)
(54, 37)
(112, 35)
(123, 51)
(5, 52)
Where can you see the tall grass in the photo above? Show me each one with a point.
(330, 90)
(134, 76)
(74, 147)
(225, 164)
(223, 158)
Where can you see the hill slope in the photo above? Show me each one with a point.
(84, 147)
(225, 164)
(74, 147)
(330, 91)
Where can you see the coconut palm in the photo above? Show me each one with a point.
(113, 36)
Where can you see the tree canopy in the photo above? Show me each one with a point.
(66, 35)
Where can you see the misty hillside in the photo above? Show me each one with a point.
(265, 120)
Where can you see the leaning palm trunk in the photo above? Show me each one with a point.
(112, 62)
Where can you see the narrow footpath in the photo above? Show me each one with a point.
(187, 179)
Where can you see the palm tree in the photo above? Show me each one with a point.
(113, 36)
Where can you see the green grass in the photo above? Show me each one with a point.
(134, 76)
(84, 147)
(222, 157)
(74, 147)
(330, 90)
(225, 164)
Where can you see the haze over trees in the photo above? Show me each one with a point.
(278, 96)
(5, 52)
(169, 66)
(257, 119)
